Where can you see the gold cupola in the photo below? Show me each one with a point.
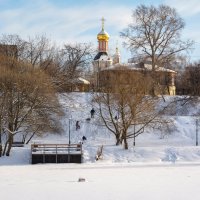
(103, 35)
(103, 38)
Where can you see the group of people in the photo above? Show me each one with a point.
(92, 116)
(78, 124)
(78, 127)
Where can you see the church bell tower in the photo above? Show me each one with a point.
(101, 60)
(103, 39)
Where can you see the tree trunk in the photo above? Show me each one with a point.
(30, 138)
(125, 143)
(0, 145)
(10, 142)
(5, 147)
(134, 141)
(154, 74)
(1, 150)
(118, 140)
(124, 139)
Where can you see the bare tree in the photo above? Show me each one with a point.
(125, 109)
(66, 65)
(2, 114)
(155, 33)
(38, 51)
(27, 100)
(75, 59)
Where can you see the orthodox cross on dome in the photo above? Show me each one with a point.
(103, 21)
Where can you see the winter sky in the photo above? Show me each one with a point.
(66, 21)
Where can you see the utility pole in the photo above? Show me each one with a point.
(134, 136)
(69, 141)
(197, 139)
(0, 145)
(98, 77)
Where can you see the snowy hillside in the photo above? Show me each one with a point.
(176, 145)
(161, 166)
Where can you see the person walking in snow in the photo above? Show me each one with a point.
(77, 125)
(92, 113)
(84, 138)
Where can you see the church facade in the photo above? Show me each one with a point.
(108, 68)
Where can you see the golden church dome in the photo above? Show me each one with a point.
(103, 35)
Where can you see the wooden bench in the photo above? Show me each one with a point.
(17, 144)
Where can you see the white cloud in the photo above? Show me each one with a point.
(82, 23)
(185, 7)
(69, 23)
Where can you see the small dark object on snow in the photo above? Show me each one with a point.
(81, 180)
(84, 138)
(88, 119)
(92, 113)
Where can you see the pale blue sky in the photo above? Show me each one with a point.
(79, 20)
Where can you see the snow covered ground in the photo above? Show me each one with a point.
(166, 168)
(177, 146)
(108, 182)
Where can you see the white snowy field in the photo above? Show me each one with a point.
(107, 182)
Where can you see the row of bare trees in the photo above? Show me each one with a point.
(63, 64)
(31, 72)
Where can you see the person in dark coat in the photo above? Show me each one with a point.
(84, 138)
(77, 125)
(92, 113)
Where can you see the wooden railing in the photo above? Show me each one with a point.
(56, 148)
